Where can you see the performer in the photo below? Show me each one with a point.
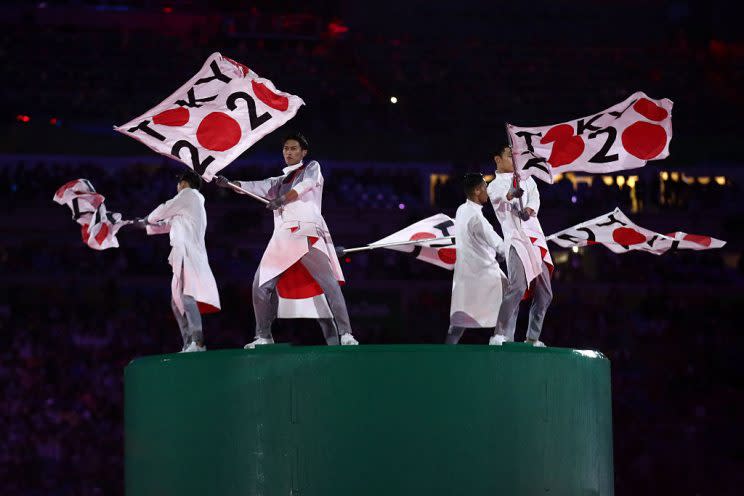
(300, 236)
(193, 288)
(477, 281)
(517, 206)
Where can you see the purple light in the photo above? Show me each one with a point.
(401, 206)
(573, 199)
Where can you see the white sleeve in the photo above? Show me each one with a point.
(162, 227)
(484, 232)
(266, 188)
(177, 205)
(497, 193)
(310, 179)
(533, 196)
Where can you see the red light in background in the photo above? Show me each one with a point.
(167, 10)
(22, 118)
(337, 28)
(53, 121)
(347, 259)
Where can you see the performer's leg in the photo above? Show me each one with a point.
(507, 320)
(193, 319)
(542, 295)
(328, 326)
(265, 305)
(182, 324)
(454, 333)
(317, 264)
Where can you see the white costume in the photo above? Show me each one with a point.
(477, 281)
(193, 288)
(300, 236)
(525, 261)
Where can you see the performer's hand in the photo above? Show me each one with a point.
(340, 251)
(221, 181)
(140, 223)
(524, 214)
(500, 256)
(514, 193)
(277, 202)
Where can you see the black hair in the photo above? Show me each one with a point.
(299, 138)
(470, 181)
(501, 149)
(191, 177)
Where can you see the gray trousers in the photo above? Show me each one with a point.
(542, 295)
(189, 322)
(266, 301)
(454, 333)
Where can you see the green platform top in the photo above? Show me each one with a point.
(370, 420)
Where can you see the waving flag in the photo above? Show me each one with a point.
(618, 233)
(98, 227)
(218, 114)
(624, 136)
(441, 253)
(300, 296)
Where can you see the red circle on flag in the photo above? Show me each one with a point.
(218, 132)
(422, 235)
(447, 255)
(173, 117)
(567, 147)
(650, 110)
(627, 236)
(696, 238)
(644, 140)
(277, 102)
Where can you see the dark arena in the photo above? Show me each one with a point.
(400, 248)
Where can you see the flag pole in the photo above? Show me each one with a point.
(398, 243)
(241, 190)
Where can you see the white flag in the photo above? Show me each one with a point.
(218, 114)
(618, 233)
(624, 136)
(300, 296)
(98, 227)
(441, 253)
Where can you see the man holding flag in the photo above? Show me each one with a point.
(193, 288)
(517, 203)
(477, 281)
(300, 237)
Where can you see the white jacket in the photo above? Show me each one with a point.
(298, 224)
(185, 219)
(478, 281)
(517, 233)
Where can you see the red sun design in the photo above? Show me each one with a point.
(697, 238)
(296, 283)
(277, 102)
(422, 235)
(567, 147)
(650, 110)
(218, 132)
(447, 255)
(644, 140)
(173, 117)
(102, 233)
(627, 236)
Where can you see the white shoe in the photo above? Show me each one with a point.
(192, 347)
(348, 340)
(537, 344)
(497, 340)
(258, 341)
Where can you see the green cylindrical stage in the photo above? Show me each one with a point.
(370, 420)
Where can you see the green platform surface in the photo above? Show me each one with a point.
(370, 420)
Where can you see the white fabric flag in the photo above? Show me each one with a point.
(618, 233)
(624, 136)
(300, 296)
(218, 114)
(98, 227)
(441, 253)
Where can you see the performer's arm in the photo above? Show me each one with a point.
(266, 188)
(311, 180)
(162, 227)
(171, 208)
(532, 205)
(486, 234)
